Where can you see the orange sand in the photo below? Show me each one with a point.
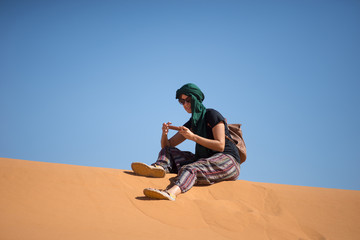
(58, 201)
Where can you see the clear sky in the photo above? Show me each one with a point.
(91, 82)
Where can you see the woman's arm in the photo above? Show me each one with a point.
(216, 144)
(172, 142)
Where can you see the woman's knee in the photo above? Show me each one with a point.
(169, 149)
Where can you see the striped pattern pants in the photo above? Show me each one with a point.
(204, 171)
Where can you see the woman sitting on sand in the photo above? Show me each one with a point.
(216, 158)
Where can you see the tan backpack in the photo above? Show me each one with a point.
(237, 138)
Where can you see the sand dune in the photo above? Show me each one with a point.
(58, 201)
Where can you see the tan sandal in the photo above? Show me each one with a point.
(159, 194)
(143, 169)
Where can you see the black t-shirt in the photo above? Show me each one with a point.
(212, 118)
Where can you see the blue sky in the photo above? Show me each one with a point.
(91, 82)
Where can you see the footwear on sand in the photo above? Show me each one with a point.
(143, 169)
(159, 194)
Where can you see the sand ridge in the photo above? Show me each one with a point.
(57, 201)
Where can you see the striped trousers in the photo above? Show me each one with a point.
(204, 171)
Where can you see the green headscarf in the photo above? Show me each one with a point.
(198, 111)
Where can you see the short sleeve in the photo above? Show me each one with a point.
(213, 117)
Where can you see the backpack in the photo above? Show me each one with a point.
(237, 138)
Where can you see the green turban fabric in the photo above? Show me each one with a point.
(198, 111)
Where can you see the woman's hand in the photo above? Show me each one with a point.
(165, 128)
(186, 133)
